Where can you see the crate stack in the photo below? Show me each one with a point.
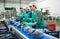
(5, 33)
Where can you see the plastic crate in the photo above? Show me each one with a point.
(4, 29)
(52, 27)
(17, 19)
(55, 34)
(11, 38)
(5, 33)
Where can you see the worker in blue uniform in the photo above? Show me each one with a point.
(27, 15)
(37, 18)
(21, 15)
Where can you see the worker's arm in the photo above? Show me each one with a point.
(29, 19)
(38, 18)
(37, 22)
(30, 24)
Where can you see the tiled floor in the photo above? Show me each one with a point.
(58, 27)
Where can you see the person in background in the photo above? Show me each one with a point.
(21, 15)
(37, 19)
(27, 15)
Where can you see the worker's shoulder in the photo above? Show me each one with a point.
(30, 11)
(38, 11)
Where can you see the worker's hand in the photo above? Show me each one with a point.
(36, 22)
(24, 22)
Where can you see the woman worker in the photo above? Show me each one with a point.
(21, 15)
(37, 18)
(27, 15)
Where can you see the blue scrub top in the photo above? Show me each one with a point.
(35, 16)
(34, 19)
(27, 16)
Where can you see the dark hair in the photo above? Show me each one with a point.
(21, 8)
(34, 6)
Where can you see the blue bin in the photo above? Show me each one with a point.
(52, 33)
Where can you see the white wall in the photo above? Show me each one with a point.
(16, 5)
(53, 4)
(1, 6)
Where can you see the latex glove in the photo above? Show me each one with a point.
(30, 24)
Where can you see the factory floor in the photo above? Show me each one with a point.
(58, 27)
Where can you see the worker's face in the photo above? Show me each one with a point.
(21, 10)
(31, 8)
(27, 9)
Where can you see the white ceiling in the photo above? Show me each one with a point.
(17, 1)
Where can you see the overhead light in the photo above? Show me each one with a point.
(40, 0)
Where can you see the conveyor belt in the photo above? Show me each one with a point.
(28, 36)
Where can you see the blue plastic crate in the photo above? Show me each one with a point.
(5, 33)
(2, 29)
(52, 33)
(11, 38)
(17, 19)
